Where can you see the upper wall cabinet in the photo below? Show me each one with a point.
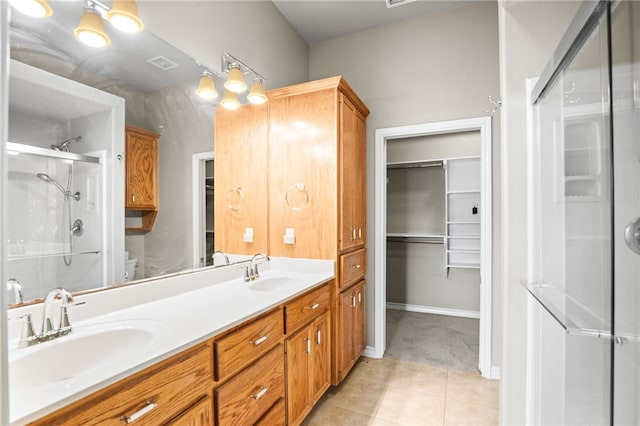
(316, 169)
(290, 174)
(141, 181)
(352, 176)
(240, 181)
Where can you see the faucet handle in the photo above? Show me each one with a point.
(28, 336)
(255, 274)
(65, 325)
(247, 274)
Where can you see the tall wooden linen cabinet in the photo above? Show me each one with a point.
(293, 172)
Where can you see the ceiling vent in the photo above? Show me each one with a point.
(163, 63)
(395, 3)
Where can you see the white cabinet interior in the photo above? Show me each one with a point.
(463, 212)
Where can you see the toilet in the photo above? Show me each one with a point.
(129, 267)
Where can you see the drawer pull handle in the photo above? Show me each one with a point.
(260, 393)
(135, 416)
(308, 351)
(359, 297)
(318, 336)
(353, 234)
(353, 301)
(360, 233)
(259, 340)
(356, 266)
(314, 306)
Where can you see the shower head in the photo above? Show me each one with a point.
(45, 177)
(64, 145)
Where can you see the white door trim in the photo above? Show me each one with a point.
(198, 202)
(382, 136)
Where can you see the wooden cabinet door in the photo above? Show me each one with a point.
(359, 208)
(359, 333)
(303, 162)
(141, 159)
(298, 347)
(201, 414)
(241, 139)
(346, 311)
(349, 186)
(321, 360)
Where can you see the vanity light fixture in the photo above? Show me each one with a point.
(235, 70)
(207, 88)
(90, 30)
(33, 8)
(257, 94)
(124, 16)
(235, 81)
(230, 100)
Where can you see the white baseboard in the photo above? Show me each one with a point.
(495, 372)
(433, 310)
(370, 352)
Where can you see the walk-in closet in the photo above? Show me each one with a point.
(433, 254)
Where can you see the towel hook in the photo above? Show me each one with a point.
(496, 105)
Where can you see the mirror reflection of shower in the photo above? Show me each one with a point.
(76, 228)
(64, 145)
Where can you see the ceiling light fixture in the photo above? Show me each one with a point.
(33, 8)
(230, 100)
(124, 16)
(207, 88)
(257, 94)
(90, 30)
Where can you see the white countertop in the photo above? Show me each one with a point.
(184, 310)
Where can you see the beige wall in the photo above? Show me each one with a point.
(253, 31)
(427, 69)
(529, 32)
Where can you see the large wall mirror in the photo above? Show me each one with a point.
(66, 216)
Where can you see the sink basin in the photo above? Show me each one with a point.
(85, 351)
(275, 283)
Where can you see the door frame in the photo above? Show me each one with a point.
(198, 193)
(386, 135)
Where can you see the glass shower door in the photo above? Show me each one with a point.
(571, 259)
(625, 54)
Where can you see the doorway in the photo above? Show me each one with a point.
(203, 208)
(387, 136)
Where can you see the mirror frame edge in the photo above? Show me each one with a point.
(4, 121)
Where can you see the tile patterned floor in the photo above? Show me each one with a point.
(393, 392)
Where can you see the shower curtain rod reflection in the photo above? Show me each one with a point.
(19, 148)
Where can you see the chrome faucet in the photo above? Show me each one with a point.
(226, 258)
(64, 327)
(13, 285)
(28, 337)
(251, 272)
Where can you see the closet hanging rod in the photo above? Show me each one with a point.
(417, 240)
(414, 165)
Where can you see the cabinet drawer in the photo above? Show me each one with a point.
(250, 394)
(154, 395)
(274, 417)
(246, 344)
(352, 267)
(303, 309)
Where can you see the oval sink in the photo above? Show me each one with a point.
(275, 283)
(82, 352)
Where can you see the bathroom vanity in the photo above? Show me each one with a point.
(206, 348)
